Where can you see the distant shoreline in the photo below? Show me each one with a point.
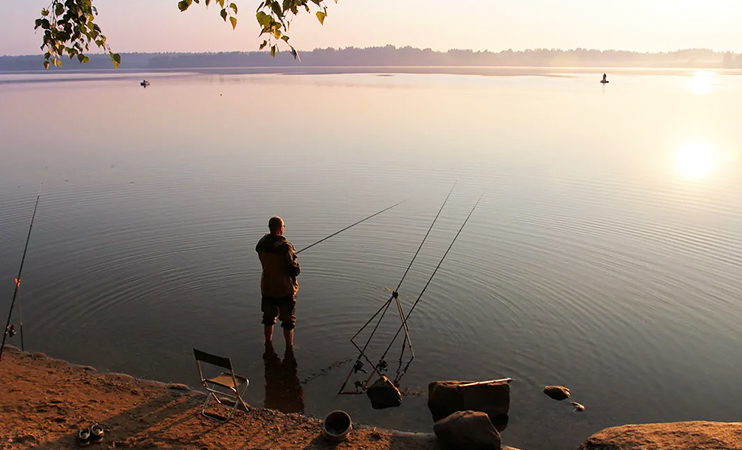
(495, 71)
(402, 59)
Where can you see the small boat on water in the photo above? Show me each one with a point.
(144, 83)
(605, 79)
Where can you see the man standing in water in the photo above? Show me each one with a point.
(278, 284)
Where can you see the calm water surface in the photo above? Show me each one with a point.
(604, 256)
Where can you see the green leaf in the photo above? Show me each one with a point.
(276, 7)
(58, 9)
(224, 14)
(263, 19)
(273, 51)
(116, 58)
(321, 16)
(183, 5)
(234, 22)
(234, 7)
(262, 46)
(44, 12)
(46, 65)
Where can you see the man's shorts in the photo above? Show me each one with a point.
(282, 307)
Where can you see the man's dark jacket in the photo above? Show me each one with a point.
(280, 267)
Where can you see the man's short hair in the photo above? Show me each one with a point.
(275, 223)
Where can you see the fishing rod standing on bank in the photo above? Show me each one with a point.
(16, 292)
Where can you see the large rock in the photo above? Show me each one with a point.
(668, 436)
(384, 394)
(421, 441)
(470, 430)
(490, 397)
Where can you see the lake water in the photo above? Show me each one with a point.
(604, 256)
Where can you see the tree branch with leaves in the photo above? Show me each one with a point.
(69, 26)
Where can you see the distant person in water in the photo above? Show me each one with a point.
(605, 78)
(278, 284)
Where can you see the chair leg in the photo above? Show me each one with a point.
(209, 415)
(236, 399)
(239, 397)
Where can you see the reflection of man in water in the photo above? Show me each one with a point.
(283, 389)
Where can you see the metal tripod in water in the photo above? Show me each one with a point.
(380, 367)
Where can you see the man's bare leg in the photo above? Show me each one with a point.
(268, 333)
(289, 336)
(270, 353)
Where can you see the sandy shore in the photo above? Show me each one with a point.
(44, 402)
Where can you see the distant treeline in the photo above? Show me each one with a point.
(391, 56)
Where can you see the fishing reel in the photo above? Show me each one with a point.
(383, 366)
(358, 367)
(10, 331)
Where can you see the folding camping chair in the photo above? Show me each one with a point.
(226, 384)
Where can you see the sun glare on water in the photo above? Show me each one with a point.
(695, 160)
(702, 82)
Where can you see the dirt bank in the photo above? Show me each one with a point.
(668, 436)
(43, 402)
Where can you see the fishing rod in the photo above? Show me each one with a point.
(395, 292)
(358, 366)
(381, 365)
(399, 377)
(351, 226)
(16, 292)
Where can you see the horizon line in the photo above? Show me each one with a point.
(509, 50)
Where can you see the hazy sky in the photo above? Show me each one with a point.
(640, 25)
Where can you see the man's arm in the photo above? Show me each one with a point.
(294, 268)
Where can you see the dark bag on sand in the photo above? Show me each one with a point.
(384, 394)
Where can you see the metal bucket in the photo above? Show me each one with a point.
(336, 426)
